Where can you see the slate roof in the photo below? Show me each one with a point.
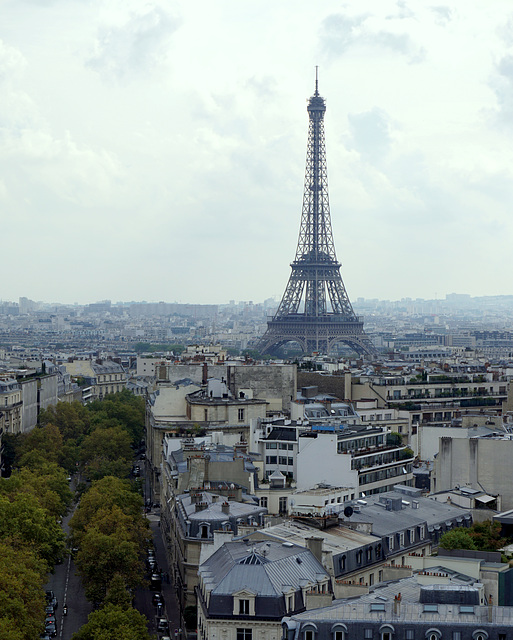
(385, 522)
(266, 569)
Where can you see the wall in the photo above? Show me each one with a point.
(318, 461)
(477, 462)
(29, 410)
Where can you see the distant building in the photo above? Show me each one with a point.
(101, 376)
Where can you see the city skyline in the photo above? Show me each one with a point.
(156, 151)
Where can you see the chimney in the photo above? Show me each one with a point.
(215, 499)
(397, 604)
(314, 544)
(205, 373)
(201, 505)
(225, 508)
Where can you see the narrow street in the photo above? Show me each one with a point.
(67, 586)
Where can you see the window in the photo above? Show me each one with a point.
(271, 460)
(342, 563)
(410, 634)
(283, 460)
(431, 608)
(412, 535)
(380, 576)
(290, 603)
(367, 634)
(466, 609)
(401, 539)
(339, 635)
(241, 415)
(290, 447)
(308, 635)
(422, 531)
(283, 505)
(244, 607)
(263, 502)
(271, 445)
(377, 606)
(290, 462)
(456, 635)
(244, 634)
(371, 579)
(390, 542)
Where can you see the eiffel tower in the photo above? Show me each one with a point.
(315, 310)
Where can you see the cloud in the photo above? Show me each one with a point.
(501, 83)
(135, 48)
(443, 15)
(369, 134)
(340, 33)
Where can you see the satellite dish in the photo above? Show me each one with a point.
(348, 512)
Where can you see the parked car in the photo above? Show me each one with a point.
(51, 600)
(155, 581)
(157, 599)
(162, 625)
(51, 629)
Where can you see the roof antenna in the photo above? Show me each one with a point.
(316, 81)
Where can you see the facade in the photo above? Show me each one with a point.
(194, 518)
(356, 456)
(216, 403)
(245, 589)
(38, 393)
(416, 608)
(274, 383)
(101, 376)
(10, 406)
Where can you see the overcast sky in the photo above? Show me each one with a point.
(155, 150)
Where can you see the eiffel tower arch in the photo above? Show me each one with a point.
(315, 310)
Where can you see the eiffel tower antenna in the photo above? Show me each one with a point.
(315, 310)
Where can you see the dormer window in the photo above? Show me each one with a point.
(243, 603)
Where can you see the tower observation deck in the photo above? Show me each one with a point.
(315, 310)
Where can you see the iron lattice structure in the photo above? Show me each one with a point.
(315, 310)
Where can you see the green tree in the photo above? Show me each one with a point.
(72, 419)
(113, 622)
(104, 494)
(48, 483)
(117, 593)
(123, 409)
(22, 575)
(457, 539)
(43, 442)
(107, 452)
(24, 522)
(487, 535)
(101, 557)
